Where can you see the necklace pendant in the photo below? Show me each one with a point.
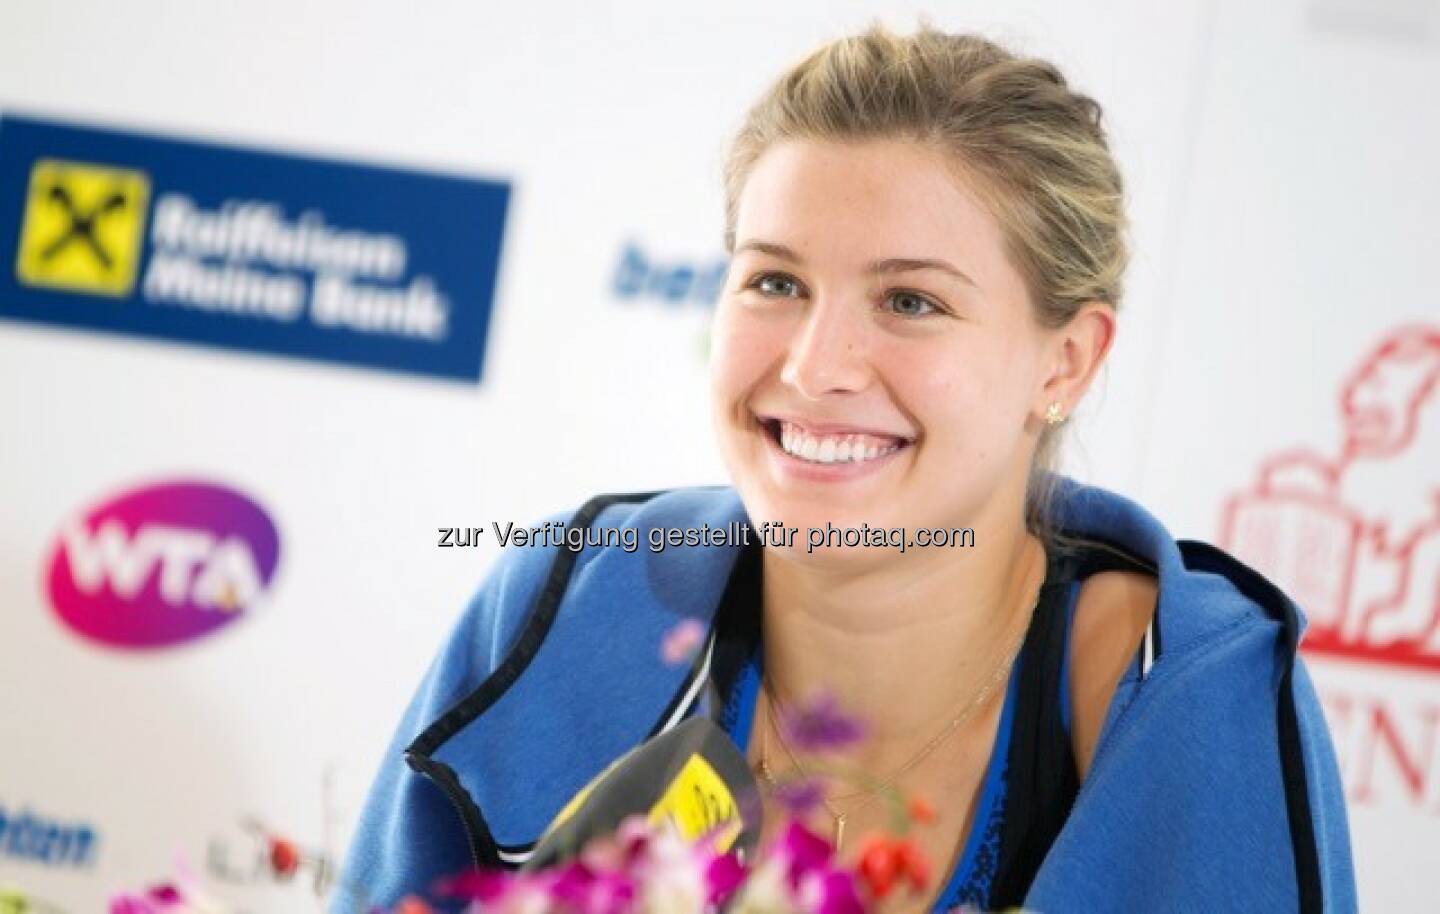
(839, 831)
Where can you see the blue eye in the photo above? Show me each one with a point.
(774, 284)
(908, 304)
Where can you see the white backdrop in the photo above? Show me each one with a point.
(1280, 161)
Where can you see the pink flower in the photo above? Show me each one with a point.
(681, 642)
(723, 876)
(485, 886)
(765, 890)
(830, 891)
(802, 851)
(158, 899)
(576, 887)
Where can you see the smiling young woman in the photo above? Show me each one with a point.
(927, 239)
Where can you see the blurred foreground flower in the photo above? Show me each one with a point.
(819, 725)
(681, 642)
(645, 868)
(165, 898)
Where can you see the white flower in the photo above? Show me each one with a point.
(765, 891)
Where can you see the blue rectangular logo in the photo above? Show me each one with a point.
(256, 251)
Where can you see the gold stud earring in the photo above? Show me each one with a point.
(1052, 414)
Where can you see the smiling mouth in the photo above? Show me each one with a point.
(855, 447)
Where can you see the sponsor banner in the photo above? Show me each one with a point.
(250, 250)
(33, 838)
(1352, 533)
(162, 564)
(642, 276)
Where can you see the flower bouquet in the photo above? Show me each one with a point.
(646, 866)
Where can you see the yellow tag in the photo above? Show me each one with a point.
(84, 227)
(698, 801)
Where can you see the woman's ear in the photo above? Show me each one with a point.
(1076, 352)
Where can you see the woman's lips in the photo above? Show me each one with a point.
(823, 429)
(826, 458)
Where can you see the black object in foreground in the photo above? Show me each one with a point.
(692, 774)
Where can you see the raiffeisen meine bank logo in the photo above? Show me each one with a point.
(1355, 538)
(248, 249)
(83, 228)
(162, 564)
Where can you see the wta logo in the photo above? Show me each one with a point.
(162, 564)
(1354, 536)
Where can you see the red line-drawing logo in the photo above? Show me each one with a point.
(1355, 539)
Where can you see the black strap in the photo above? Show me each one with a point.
(1042, 779)
(737, 626)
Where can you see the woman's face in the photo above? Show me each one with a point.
(874, 358)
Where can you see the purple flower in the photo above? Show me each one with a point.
(800, 796)
(821, 725)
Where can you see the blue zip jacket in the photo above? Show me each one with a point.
(1213, 786)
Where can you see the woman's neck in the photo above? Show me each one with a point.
(902, 645)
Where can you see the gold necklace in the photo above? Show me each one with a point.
(773, 714)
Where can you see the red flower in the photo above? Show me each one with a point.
(284, 857)
(913, 863)
(878, 865)
(412, 905)
(883, 859)
(920, 810)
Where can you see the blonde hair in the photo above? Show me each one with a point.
(1031, 147)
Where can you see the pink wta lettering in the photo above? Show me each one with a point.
(162, 564)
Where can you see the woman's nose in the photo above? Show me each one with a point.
(827, 351)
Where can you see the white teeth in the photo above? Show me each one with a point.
(831, 448)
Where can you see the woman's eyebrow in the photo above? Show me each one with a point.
(888, 265)
(904, 264)
(769, 247)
